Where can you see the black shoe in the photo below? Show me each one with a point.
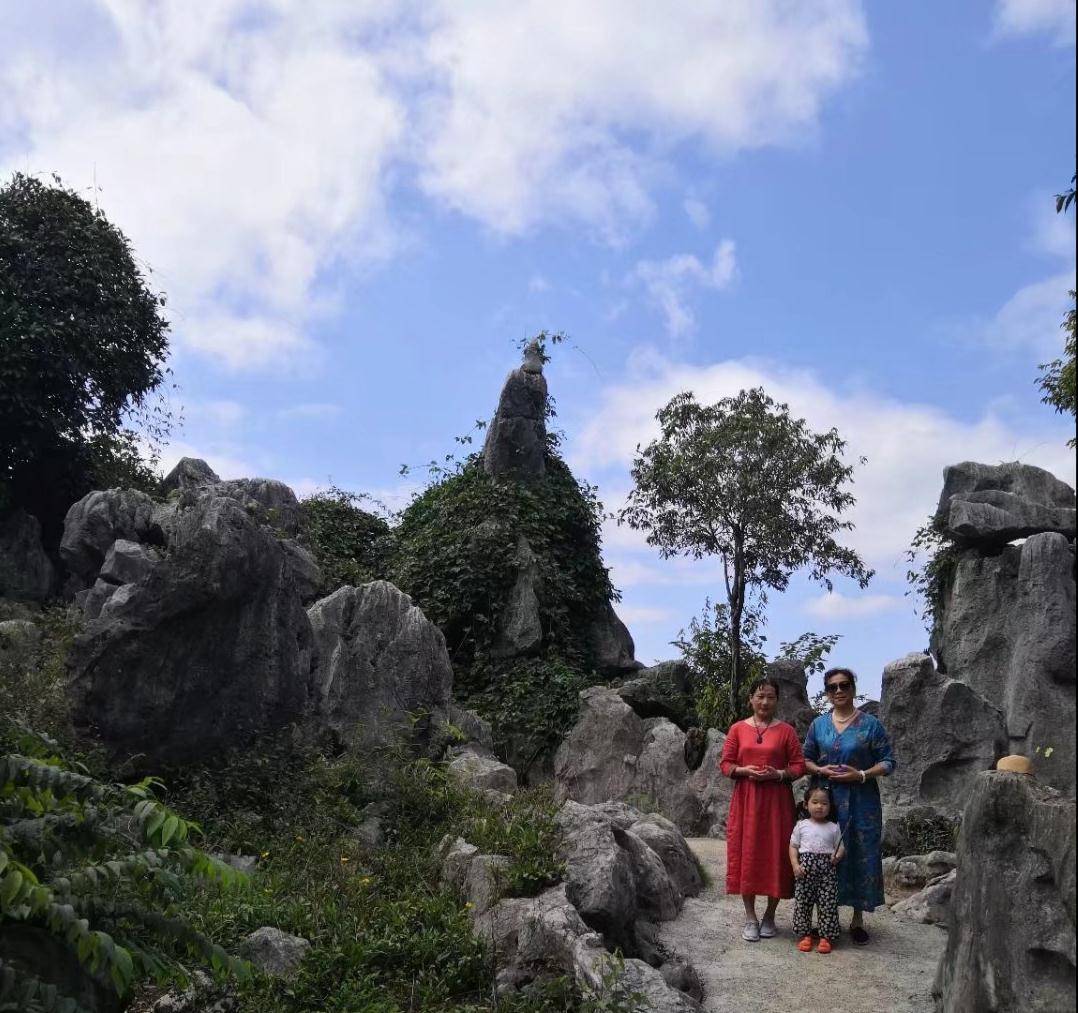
(858, 936)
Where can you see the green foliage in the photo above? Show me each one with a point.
(99, 866)
(530, 702)
(745, 481)
(1057, 379)
(82, 346)
(351, 545)
(33, 673)
(386, 935)
(921, 831)
(932, 558)
(707, 648)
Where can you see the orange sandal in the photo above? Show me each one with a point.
(824, 946)
(805, 945)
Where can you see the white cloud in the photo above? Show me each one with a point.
(907, 444)
(248, 148)
(669, 283)
(838, 606)
(698, 212)
(314, 410)
(645, 615)
(1036, 17)
(240, 148)
(537, 283)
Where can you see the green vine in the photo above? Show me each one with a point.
(932, 557)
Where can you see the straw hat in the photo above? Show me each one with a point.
(1015, 763)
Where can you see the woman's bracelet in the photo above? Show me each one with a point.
(864, 776)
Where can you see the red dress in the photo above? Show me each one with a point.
(761, 812)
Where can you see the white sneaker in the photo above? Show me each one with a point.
(751, 932)
(767, 928)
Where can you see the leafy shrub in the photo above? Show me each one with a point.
(932, 558)
(351, 545)
(919, 831)
(98, 866)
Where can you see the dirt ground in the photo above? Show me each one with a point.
(893, 974)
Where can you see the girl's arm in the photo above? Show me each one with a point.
(795, 861)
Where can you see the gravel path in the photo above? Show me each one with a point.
(893, 974)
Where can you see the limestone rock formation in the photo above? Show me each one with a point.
(612, 644)
(515, 446)
(614, 754)
(613, 878)
(661, 691)
(378, 661)
(946, 734)
(207, 648)
(1008, 631)
(520, 629)
(932, 904)
(479, 768)
(905, 876)
(983, 503)
(1011, 934)
(274, 952)
(794, 707)
(26, 572)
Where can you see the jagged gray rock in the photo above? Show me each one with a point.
(994, 504)
(274, 952)
(515, 446)
(97, 520)
(478, 768)
(127, 562)
(794, 707)
(1011, 935)
(910, 873)
(1007, 629)
(189, 473)
(26, 572)
(663, 690)
(947, 733)
(611, 643)
(659, 834)
(378, 661)
(932, 904)
(612, 754)
(520, 627)
(208, 649)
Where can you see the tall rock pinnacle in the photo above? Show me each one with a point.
(516, 439)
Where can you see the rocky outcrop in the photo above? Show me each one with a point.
(378, 663)
(932, 904)
(274, 952)
(613, 754)
(476, 767)
(614, 881)
(520, 627)
(794, 706)
(515, 446)
(661, 691)
(26, 572)
(1011, 933)
(946, 732)
(905, 876)
(1007, 630)
(994, 504)
(208, 647)
(611, 644)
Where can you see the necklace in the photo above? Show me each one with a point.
(759, 731)
(844, 721)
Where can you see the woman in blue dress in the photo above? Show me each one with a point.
(851, 749)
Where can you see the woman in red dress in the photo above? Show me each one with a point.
(763, 755)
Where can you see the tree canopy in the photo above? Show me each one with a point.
(744, 480)
(1057, 379)
(82, 345)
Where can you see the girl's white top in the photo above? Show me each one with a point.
(815, 838)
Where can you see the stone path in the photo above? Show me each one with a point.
(894, 974)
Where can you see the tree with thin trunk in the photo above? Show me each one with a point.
(745, 481)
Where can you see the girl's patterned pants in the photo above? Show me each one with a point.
(819, 887)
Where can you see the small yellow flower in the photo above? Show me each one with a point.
(344, 858)
(469, 904)
(364, 881)
(265, 854)
(299, 837)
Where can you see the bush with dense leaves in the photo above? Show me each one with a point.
(82, 347)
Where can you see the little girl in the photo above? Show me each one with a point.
(815, 849)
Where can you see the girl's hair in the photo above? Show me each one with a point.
(764, 680)
(815, 786)
(841, 671)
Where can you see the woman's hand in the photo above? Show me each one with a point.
(847, 776)
(755, 773)
(831, 770)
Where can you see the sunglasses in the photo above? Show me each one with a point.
(839, 687)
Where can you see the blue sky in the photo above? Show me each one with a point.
(357, 210)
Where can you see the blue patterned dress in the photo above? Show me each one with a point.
(862, 745)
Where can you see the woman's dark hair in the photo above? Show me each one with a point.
(764, 680)
(840, 671)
